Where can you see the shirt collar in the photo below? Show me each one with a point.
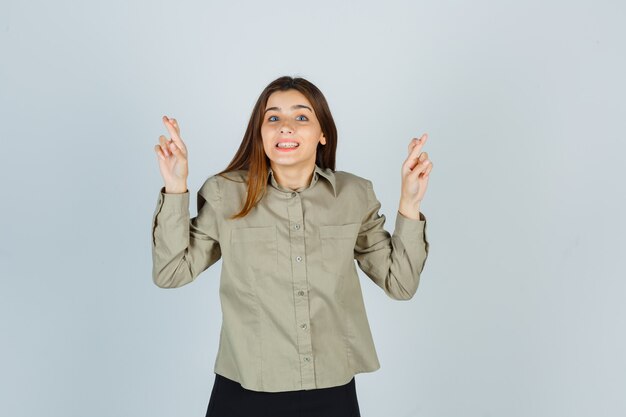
(325, 173)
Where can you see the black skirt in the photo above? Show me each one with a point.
(230, 399)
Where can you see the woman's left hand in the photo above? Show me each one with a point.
(415, 171)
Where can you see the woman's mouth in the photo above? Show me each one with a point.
(287, 146)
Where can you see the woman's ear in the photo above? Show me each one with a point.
(323, 140)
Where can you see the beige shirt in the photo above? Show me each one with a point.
(293, 315)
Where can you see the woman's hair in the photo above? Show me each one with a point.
(251, 155)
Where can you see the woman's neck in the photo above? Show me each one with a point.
(293, 178)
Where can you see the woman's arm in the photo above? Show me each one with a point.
(395, 262)
(182, 247)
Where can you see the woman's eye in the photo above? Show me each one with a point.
(273, 118)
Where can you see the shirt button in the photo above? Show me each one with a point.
(303, 325)
(297, 227)
(300, 292)
(298, 258)
(307, 359)
(293, 194)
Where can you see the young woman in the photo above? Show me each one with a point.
(288, 228)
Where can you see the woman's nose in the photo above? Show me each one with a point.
(286, 128)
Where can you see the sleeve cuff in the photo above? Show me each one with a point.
(411, 229)
(174, 202)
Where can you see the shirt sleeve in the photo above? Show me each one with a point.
(182, 248)
(393, 262)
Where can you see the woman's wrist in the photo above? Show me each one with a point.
(176, 189)
(411, 211)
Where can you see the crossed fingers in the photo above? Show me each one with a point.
(175, 144)
(417, 157)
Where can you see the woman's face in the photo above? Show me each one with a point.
(289, 118)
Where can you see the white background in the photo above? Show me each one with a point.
(520, 309)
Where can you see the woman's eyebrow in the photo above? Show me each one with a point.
(295, 106)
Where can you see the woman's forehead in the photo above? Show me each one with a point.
(286, 99)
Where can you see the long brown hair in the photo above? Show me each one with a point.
(251, 156)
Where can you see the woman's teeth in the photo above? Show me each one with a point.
(287, 145)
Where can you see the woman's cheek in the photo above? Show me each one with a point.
(266, 133)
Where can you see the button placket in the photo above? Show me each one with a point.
(299, 278)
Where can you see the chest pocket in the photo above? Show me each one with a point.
(254, 250)
(338, 247)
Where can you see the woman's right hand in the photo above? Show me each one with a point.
(172, 156)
